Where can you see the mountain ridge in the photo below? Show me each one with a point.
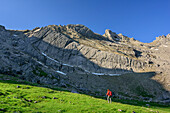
(160, 36)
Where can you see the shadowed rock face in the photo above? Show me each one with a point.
(75, 57)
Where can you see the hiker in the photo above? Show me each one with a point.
(109, 94)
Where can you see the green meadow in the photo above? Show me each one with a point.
(18, 96)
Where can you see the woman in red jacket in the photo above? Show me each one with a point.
(109, 94)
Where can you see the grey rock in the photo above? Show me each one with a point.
(44, 97)
(81, 29)
(55, 98)
(111, 35)
(29, 100)
(74, 56)
(35, 102)
(18, 86)
(2, 28)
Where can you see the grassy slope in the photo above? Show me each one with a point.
(13, 99)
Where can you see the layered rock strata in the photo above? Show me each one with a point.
(75, 57)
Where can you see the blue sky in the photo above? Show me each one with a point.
(142, 19)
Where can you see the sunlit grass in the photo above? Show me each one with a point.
(16, 97)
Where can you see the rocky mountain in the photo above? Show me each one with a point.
(75, 57)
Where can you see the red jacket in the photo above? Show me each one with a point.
(109, 93)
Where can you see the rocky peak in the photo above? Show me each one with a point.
(162, 39)
(111, 35)
(83, 30)
(168, 36)
(36, 29)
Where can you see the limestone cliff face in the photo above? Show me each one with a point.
(75, 57)
(90, 51)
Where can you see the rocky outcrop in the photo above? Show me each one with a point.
(73, 56)
(111, 35)
(83, 30)
(2, 28)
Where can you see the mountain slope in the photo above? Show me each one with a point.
(76, 58)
